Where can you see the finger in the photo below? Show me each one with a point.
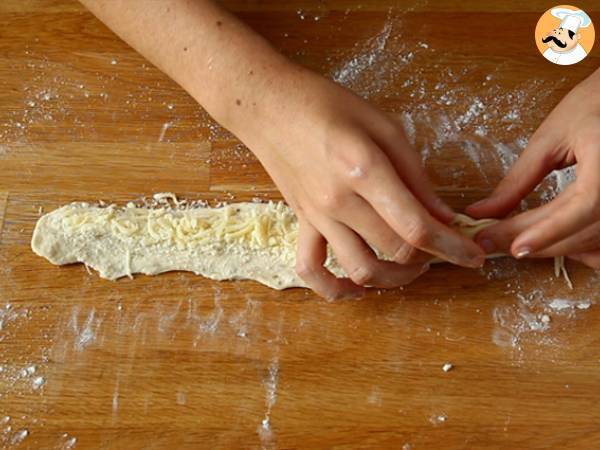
(374, 178)
(586, 240)
(581, 210)
(536, 161)
(361, 264)
(390, 136)
(419, 229)
(380, 185)
(590, 259)
(310, 257)
(359, 216)
(559, 224)
(499, 237)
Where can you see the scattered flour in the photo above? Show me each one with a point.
(28, 371)
(265, 431)
(506, 154)
(181, 398)
(38, 382)
(69, 442)
(438, 419)
(86, 334)
(163, 131)
(115, 398)
(561, 304)
(527, 322)
(19, 436)
(374, 397)
(409, 127)
(211, 325)
(10, 314)
(372, 54)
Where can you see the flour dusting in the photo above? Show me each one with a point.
(69, 442)
(9, 314)
(374, 397)
(562, 304)
(265, 431)
(527, 322)
(86, 333)
(181, 398)
(372, 55)
(438, 419)
(19, 436)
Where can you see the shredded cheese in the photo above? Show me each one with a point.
(271, 226)
(560, 268)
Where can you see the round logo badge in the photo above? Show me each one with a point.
(564, 35)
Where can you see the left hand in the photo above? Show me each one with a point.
(569, 225)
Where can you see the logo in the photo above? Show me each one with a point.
(564, 35)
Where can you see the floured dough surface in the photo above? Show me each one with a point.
(254, 241)
(241, 241)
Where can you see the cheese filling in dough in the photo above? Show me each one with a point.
(255, 241)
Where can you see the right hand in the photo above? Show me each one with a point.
(348, 172)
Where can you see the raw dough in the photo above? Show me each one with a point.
(255, 241)
(241, 241)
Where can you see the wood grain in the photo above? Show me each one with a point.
(177, 361)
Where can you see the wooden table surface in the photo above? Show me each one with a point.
(177, 361)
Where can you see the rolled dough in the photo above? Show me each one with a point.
(255, 241)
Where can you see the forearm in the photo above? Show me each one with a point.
(229, 69)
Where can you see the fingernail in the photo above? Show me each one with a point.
(522, 252)
(487, 245)
(471, 256)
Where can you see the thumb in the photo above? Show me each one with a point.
(537, 160)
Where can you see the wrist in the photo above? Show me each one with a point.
(251, 98)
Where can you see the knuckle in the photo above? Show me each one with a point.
(356, 160)
(332, 201)
(362, 161)
(305, 268)
(405, 253)
(417, 233)
(362, 275)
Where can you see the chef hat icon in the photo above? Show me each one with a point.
(571, 19)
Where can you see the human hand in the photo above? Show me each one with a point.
(569, 225)
(351, 177)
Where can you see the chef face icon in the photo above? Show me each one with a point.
(561, 40)
(564, 35)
